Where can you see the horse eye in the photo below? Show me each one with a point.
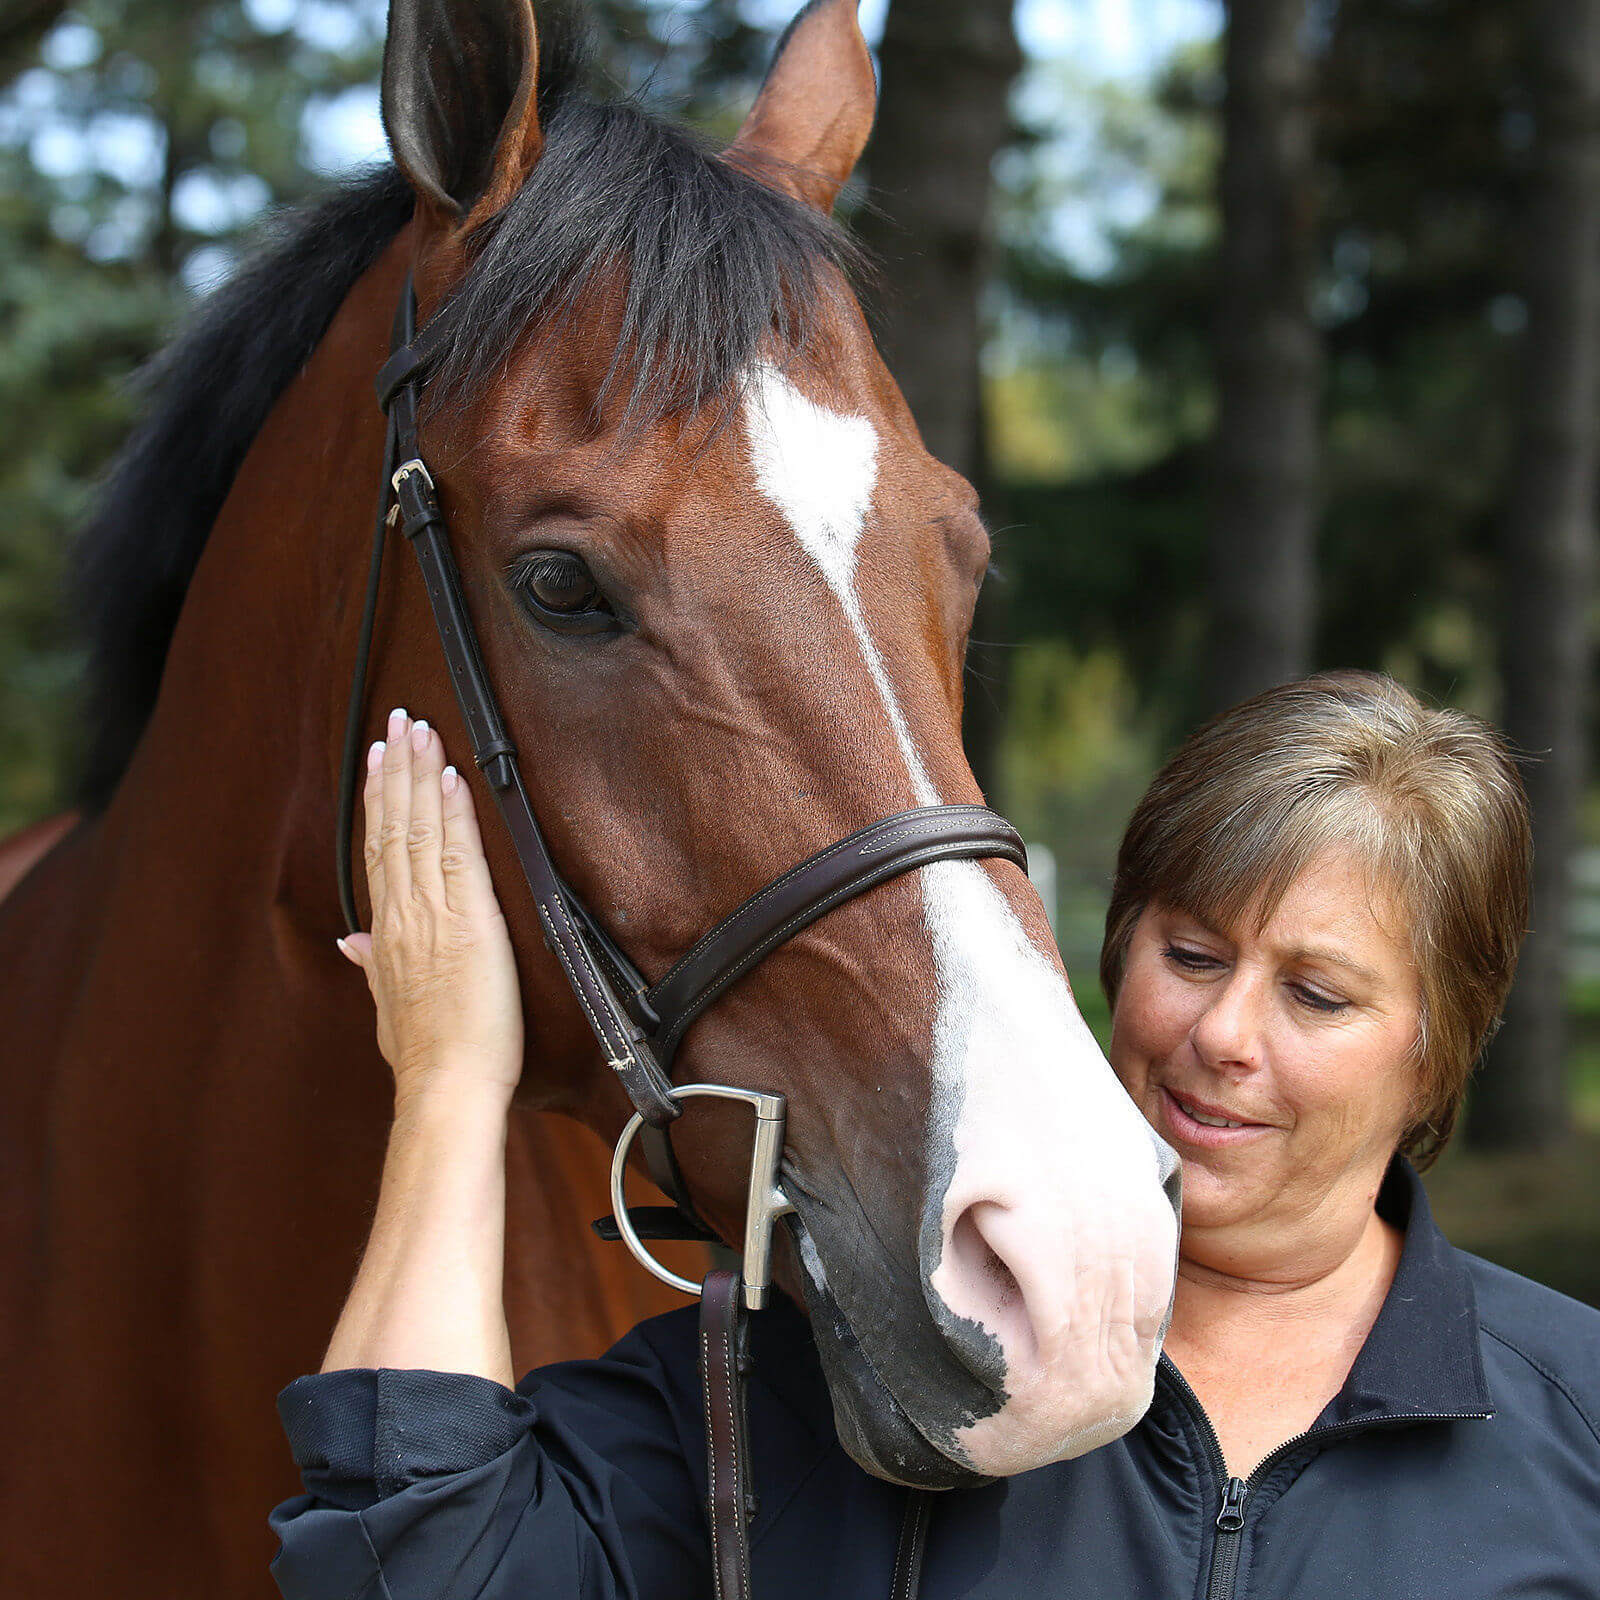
(560, 582)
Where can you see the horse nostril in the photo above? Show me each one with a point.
(977, 1284)
(968, 1242)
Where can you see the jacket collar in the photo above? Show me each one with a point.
(1422, 1357)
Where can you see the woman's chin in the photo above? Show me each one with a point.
(1221, 1193)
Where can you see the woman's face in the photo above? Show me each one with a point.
(1298, 1035)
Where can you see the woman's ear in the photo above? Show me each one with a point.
(811, 120)
(460, 80)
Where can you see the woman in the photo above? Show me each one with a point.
(1314, 924)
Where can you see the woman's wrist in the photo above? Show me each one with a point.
(447, 1090)
(428, 1291)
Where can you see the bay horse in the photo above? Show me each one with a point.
(723, 593)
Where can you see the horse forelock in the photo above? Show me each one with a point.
(717, 268)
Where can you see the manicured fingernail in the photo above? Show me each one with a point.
(448, 780)
(397, 722)
(344, 949)
(375, 755)
(419, 737)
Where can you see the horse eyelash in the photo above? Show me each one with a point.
(524, 570)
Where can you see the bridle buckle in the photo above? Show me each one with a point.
(406, 468)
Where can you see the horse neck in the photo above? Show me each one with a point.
(207, 884)
(235, 781)
(191, 1054)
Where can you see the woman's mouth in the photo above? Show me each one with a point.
(1196, 1122)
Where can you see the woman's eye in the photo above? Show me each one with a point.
(1317, 1002)
(1191, 960)
(561, 592)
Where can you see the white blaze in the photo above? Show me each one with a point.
(1019, 1085)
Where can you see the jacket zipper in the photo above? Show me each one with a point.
(1230, 1534)
(1236, 1491)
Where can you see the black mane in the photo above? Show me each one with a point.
(717, 265)
(206, 395)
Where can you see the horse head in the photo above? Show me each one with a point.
(723, 592)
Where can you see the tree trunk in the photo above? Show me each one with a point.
(947, 68)
(1547, 561)
(1268, 362)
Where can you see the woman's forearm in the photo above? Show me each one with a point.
(429, 1291)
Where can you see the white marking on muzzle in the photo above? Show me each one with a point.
(1052, 1159)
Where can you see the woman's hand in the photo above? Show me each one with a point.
(438, 960)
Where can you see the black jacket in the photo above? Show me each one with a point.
(1461, 1459)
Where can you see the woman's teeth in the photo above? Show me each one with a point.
(1206, 1118)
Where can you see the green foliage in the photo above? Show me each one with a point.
(71, 330)
(138, 141)
(1098, 393)
(1077, 755)
(1421, 328)
(701, 61)
(135, 143)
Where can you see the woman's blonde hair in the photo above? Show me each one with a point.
(1429, 799)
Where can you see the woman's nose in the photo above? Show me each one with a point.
(1228, 1032)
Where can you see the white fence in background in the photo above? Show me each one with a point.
(1584, 925)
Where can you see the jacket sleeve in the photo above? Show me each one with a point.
(443, 1486)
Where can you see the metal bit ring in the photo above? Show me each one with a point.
(765, 1204)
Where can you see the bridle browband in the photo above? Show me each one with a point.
(638, 1024)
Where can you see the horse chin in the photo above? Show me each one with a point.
(873, 1427)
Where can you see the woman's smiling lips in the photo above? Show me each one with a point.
(1179, 1119)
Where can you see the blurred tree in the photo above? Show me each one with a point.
(702, 61)
(65, 325)
(1420, 122)
(1548, 556)
(1428, 119)
(136, 141)
(1100, 382)
(947, 69)
(1261, 587)
(21, 28)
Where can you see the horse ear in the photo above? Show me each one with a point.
(811, 120)
(460, 101)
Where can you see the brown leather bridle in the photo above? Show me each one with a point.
(639, 1024)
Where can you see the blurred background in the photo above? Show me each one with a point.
(1268, 331)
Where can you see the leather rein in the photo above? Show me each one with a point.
(639, 1024)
